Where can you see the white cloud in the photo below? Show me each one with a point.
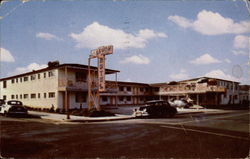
(220, 74)
(181, 21)
(210, 23)
(149, 34)
(241, 41)
(5, 56)
(204, 60)
(136, 59)
(47, 36)
(30, 67)
(239, 52)
(227, 60)
(180, 76)
(95, 35)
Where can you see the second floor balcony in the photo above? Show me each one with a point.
(70, 85)
(185, 88)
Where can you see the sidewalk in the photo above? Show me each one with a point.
(73, 118)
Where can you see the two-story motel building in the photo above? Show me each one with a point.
(203, 91)
(50, 87)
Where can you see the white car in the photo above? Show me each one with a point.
(13, 107)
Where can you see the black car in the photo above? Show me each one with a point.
(13, 107)
(155, 109)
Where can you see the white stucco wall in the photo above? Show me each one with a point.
(42, 85)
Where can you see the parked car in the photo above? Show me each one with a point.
(156, 108)
(13, 107)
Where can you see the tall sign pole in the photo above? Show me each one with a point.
(94, 96)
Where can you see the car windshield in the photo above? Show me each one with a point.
(14, 102)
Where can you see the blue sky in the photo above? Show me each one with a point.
(154, 41)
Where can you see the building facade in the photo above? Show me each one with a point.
(126, 93)
(203, 91)
(55, 86)
(62, 85)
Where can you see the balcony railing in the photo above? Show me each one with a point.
(72, 86)
(198, 88)
(111, 87)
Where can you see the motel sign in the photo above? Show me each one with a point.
(100, 53)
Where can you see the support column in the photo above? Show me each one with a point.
(66, 94)
(197, 99)
(216, 99)
(116, 95)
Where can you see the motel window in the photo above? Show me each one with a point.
(38, 95)
(80, 97)
(51, 94)
(129, 98)
(33, 95)
(38, 76)
(121, 88)
(21, 96)
(32, 77)
(16, 96)
(44, 75)
(44, 95)
(4, 97)
(141, 89)
(51, 73)
(13, 81)
(235, 97)
(141, 99)
(12, 96)
(16, 80)
(236, 87)
(105, 99)
(81, 77)
(21, 79)
(25, 96)
(120, 98)
(25, 78)
(4, 84)
(129, 89)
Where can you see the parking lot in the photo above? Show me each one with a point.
(223, 134)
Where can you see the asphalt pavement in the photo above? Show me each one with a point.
(223, 134)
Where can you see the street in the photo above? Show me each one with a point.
(223, 134)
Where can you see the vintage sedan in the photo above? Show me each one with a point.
(13, 107)
(155, 109)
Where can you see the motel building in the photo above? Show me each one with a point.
(203, 91)
(51, 87)
(126, 93)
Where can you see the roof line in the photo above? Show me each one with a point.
(108, 71)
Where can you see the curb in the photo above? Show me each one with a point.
(184, 113)
(97, 120)
(84, 119)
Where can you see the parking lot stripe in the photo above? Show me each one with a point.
(206, 132)
(193, 119)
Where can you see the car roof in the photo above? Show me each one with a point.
(14, 101)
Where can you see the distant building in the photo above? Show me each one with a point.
(244, 94)
(203, 91)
